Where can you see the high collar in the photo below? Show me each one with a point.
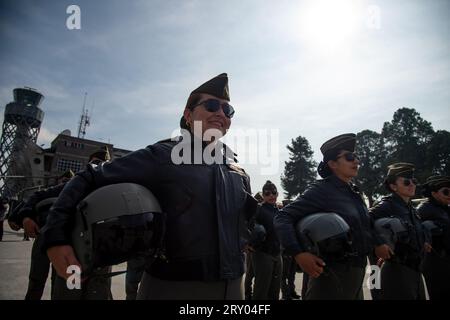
(400, 200)
(227, 153)
(339, 182)
(269, 205)
(438, 204)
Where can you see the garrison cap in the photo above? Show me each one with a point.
(217, 86)
(401, 169)
(437, 182)
(102, 154)
(67, 174)
(345, 141)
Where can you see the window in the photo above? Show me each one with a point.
(65, 164)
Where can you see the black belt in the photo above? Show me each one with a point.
(185, 270)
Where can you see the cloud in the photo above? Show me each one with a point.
(46, 136)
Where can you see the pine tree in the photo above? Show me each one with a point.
(300, 170)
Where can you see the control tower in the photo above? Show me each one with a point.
(21, 125)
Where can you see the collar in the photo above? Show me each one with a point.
(273, 206)
(339, 183)
(399, 200)
(228, 155)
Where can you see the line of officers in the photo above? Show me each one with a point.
(194, 227)
(331, 234)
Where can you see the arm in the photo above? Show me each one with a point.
(380, 210)
(139, 167)
(310, 202)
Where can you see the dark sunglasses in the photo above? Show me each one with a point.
(268, 193)
(445, 191)
(407, 182)
(213, 105)
(349, 156)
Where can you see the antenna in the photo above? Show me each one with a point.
(84, 119)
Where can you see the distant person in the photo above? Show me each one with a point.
(401, 278)
(4, 207)
(32, 219)
(340, 276)
(436, 265)
(249, 271)
(266, 258)
(289, 271)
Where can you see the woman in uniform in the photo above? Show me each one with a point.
(340, 278)
(400, 274)
(436, 208)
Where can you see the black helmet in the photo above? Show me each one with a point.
(326, 235)
(116, 223)
(392, 230)
(258, 235)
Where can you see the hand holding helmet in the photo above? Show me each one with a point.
(310, 263)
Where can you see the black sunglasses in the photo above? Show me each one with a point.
(407, 182)
(349, 156)
(268, 193)
(445, 191)
(213, 105)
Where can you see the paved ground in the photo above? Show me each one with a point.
(15, 263)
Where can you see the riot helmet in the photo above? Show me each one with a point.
(392, 230)
(326, 235)
(258, 235)
(116, 223)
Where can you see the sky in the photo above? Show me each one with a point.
(311, 68)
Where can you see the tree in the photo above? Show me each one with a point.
(300, 170)
(372, 154)
(438, 154)
(406, 139)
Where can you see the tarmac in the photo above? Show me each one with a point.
(15, 258)
(15, 263)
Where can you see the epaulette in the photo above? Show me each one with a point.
(237, 168)
(175, 139)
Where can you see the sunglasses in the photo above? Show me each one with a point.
(445, 191)
(213, 105)
(349, 156)
(407, 182)
(268, 193)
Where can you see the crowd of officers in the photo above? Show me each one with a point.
(213, 224)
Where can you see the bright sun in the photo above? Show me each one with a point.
(330, 23)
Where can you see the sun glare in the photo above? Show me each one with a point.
(330, 24)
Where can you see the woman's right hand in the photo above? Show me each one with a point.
(62, 257)
(384, 252)
(310, 264)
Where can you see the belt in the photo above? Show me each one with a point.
(185, 270)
